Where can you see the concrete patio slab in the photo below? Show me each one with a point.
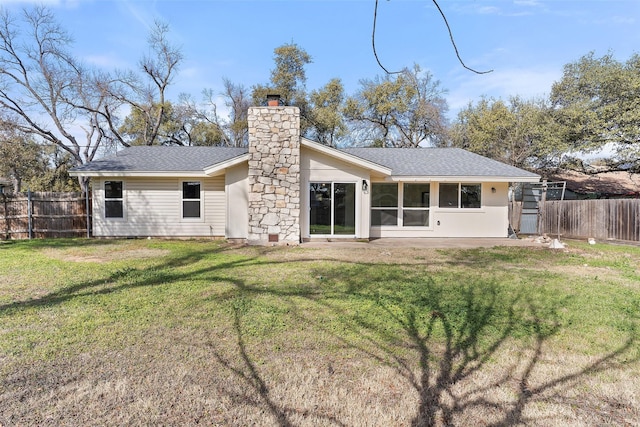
(458, 243)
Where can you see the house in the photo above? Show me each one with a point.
(285, 189)
(603, 185)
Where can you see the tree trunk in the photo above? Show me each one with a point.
(16, 180)
(84, 182)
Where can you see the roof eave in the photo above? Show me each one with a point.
(450, 178)
(139, 174)
(219, 168)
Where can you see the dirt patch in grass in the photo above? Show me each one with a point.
(104, 253)
(581, 262)
(364, 255)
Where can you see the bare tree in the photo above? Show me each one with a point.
(50, 95)
(41, 84)
(200, 123)
(238, 100)
(147, 95)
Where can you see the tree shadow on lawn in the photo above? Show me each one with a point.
(165, 270)
(452, 337)
(249, 374)
(433, 335)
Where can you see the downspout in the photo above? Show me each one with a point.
(88, 212)
(30, 214)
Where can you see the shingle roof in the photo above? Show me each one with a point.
(402, 161)
(163, 158)
(437, 162)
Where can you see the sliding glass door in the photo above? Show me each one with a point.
(332, 209)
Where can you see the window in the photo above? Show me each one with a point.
(415, 205)
(406, 205)
(384, 204)
(460, 195)
(191, 199)
(448, 195)
(470, 195)
(113, 201)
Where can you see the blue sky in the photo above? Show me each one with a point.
(525, 42)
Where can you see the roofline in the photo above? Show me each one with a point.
(206, 172)
(220, 167)
(346, 157)
(449, 178)
(169, 174)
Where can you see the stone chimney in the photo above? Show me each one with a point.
(274, 174)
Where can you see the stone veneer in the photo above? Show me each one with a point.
(274, 175)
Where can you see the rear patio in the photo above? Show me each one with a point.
(431, 243)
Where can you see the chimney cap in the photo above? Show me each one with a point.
(274, 100)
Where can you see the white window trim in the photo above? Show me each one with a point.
(459, 208)
(123, 199)
(387, 208)
(182, 200)
(422, 208)
(400, 209)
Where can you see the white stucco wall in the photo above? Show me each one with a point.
(153, 207)
(491, 220)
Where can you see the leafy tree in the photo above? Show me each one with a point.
(321, 111)
(182, 124)
(34, 166)
(327, 124)
(520, 133)
(21, 156)
(135, 128)
(403, 110)
(598, 103)
(288, 79)
(53, 172)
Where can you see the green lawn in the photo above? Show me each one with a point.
(104, 332)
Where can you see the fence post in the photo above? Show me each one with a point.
(30, 214)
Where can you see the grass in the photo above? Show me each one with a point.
(107, 332)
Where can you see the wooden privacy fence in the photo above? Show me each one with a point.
(603, 219)
(42, 214)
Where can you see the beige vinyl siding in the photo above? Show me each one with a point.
(153, 207)
(237, 189)
(215, 205)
